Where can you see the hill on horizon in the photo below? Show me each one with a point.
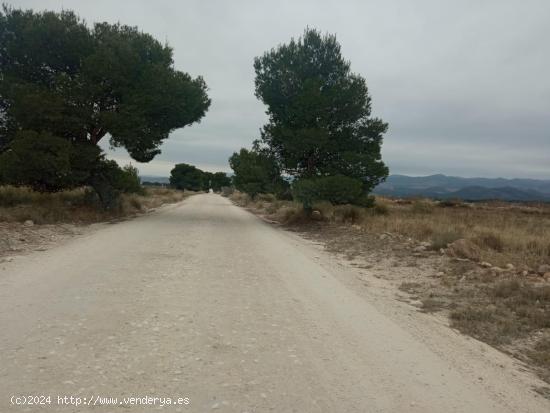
(441, 186)
(154, 179)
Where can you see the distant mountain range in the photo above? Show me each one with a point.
(155, 179)
(469, 189)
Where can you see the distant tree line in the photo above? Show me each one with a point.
(191, 178)
(65, 86)
(320, 134)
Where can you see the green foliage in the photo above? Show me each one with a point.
(129, 181)
(187, 177)
(206, 180)
(64, 86)
(319, 117)
(58, 75)
(219, 180)
(109, 181)
(42, 161)
(338, 189)
(48, 163)
(255, 173)
(106, 181)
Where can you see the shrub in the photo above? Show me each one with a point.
(349, 213)
(11, 196)
(265, 197)
(240, 198)
(325, 208)
(337, 189)
(490, 240)
(381, 208)
(227, 190)
(453, 202)
(129, 181)
(444, 238)
(464, 248)
(507, 288)
(105, 180)
(293, 214)
(422, 206)
(39, 160)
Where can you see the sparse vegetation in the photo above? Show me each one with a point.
(19, 204)
(444, 238)
(500, 234)
(505, 310)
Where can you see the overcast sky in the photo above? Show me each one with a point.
(464, 85)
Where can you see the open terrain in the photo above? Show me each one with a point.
(482, 267)
(204, 300)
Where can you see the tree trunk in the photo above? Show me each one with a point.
(96, 134)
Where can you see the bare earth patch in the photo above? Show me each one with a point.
(18, 238)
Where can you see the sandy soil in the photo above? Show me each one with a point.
(19, 239)
(204, 300)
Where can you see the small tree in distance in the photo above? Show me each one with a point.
(255, 172)
(219, 180)
(188, 177)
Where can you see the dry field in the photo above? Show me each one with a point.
(485, 267)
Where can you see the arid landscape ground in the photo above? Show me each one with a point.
(484, 267)
(250, 316)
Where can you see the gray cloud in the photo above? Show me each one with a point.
(464, 85)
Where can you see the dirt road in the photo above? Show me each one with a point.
(204, 301)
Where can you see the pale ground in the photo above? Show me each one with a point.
(204, 300)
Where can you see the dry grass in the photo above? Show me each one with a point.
(502, 233)
(503, 311)
(511, 314)
(541, 356)
(76, 206)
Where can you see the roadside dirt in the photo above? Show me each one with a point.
(20, 238)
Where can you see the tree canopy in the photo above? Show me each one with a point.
(218, 180)
(187, 177)
(255, 172)
(59, 76)
(319, 113)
